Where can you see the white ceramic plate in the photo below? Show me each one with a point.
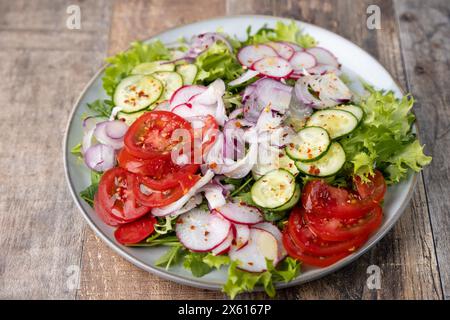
(353, 59)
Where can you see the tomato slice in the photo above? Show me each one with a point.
(150, 136)
(135, 231)
(103, 214)
(159, 198)
(312, 244)
(317, 261)
(334, 229)
(116, 195)
(324, 199)
(374, 189)
(155, 167)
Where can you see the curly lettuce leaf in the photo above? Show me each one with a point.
(385, 139)
(241, 281)
(282, 32)
(122, 63)
(217, 62)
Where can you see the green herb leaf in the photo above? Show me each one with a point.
(101, 108)
(194, 261)
(172, 257)
(76, 150)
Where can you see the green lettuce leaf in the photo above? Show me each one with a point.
(122, 63)
(88, 194)
(216, 261)
(194, 261)
(385, 139)
(101, 108)
(241, 281)
(282, 32)
(217, 62)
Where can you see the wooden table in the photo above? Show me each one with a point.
(45, 245)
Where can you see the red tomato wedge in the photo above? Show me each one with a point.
(116, 195)
(151, 135)
(335, 229)
(155, 167)
(311, 244)
(159, 198)
(317, 261)
(323, 199)
(103, 214)
(135, 231)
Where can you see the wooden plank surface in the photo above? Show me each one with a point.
(41, 232)
(425, 29)
(44, 66)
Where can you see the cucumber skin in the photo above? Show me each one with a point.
(291, 202)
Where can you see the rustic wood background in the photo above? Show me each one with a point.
(44, 66)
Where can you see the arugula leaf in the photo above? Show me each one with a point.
(282, 32)
(122, 63)
(217, 62)
(101, 108)
(76, 150)
(241, 281)
(88, 194)
(384, 139)
(172, 257)
(194, 261)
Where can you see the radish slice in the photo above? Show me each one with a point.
(269, 227)
(248, 55)
(262, 245)
(184, 94)
(322, 69)
(274, 67)
(323, 56)
(187, 110)
(302, 60)
(284, 50)
(249, 74)
(241, 213)
(242, 235)
(200, 231)
(225, 246)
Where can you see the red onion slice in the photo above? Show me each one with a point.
(100, 157)
(116, 129)
(249, 74)
(102, 137)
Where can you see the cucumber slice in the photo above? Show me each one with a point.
(276, 159)
(292, 202)
(309, 144)
(355, 110)
(171, 81)
(130, 117)
(327, 165)
(274, 189)
(188, 72)
(287, 163)
(338, 123)
(136, 93)
(147, 68)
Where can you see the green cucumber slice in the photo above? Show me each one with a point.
(129, 118)
(309, 144)
(326, 166)
(188, 72)
(355, 110)
(136, 93)
(274, 189)
(338, 123)
(171, 81)
(292, 202)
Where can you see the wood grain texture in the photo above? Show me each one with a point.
(425, 27)
(44, 66)
(105, 275)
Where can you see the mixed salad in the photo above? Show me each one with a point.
(258, 156)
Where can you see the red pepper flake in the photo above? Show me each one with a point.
(192, 227)
(314, 170)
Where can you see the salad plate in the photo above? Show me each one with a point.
(355, 62)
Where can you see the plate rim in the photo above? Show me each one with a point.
(197, 282)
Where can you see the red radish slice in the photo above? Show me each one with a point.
(269, 227)
(200, 231)
(225, 246)
(184, 94)
(135, 231)
(241, 235)
(322, 69)
(284, 50)
(187, 110)
(296, 47)
(261, 246)
(274, 67)
(248, 55)
(249, 74)
(302, 60)
(323, 56)
(241, 213)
